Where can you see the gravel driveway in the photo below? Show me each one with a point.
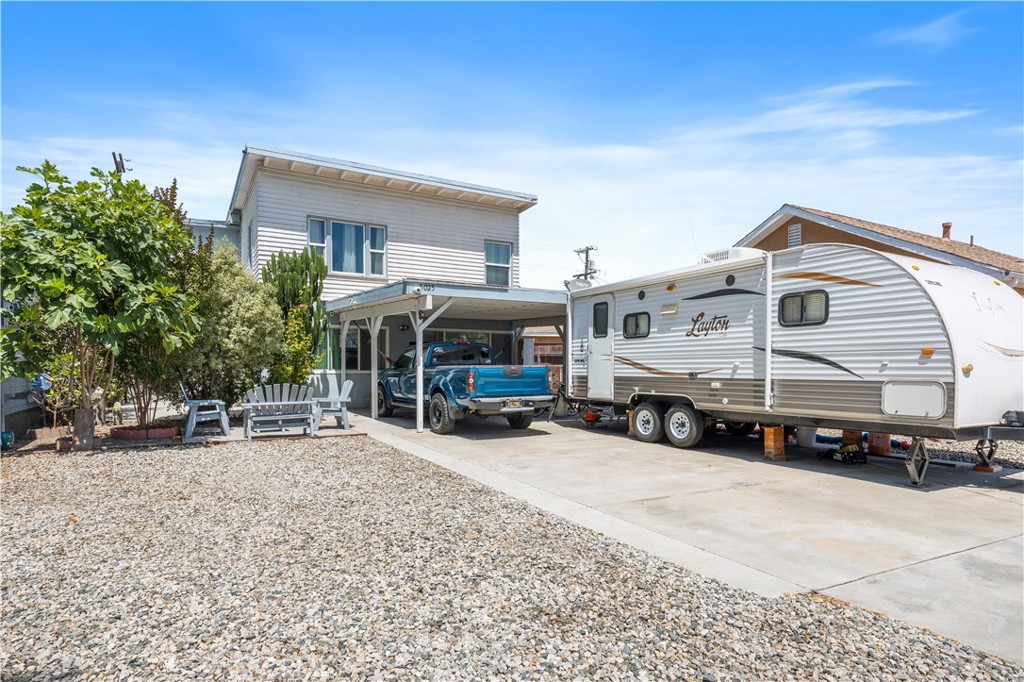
(344, 558)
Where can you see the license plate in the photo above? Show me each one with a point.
(513, 403)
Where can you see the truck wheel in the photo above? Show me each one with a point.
(440, 420)
(520, 420)
(384, 408)
(684, 426)
(648, 422)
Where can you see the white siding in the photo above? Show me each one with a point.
(427, 238)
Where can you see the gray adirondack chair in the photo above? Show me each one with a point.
(337, 405)
(276, 407)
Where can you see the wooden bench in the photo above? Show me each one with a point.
(277, 407)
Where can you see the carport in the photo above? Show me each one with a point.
(424, 302)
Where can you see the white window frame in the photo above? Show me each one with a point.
(383, 346)
(326, 247)
(491, 264)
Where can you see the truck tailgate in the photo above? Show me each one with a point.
(511, 380)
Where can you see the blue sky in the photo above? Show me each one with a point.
(654, 131)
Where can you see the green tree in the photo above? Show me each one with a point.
(298, 359)
(297, 280)
(240, 335)
(93, 256)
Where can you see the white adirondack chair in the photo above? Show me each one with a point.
(337, 405)
(277, 407)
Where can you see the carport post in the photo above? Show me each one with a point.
(420, 326)
(419, 368)
(374, 325)
(344, 350)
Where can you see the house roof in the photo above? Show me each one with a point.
(947, 250)
(373, 176)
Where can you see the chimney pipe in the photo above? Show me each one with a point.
(946, 229)
(972, 240)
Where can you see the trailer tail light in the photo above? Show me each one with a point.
(928, 352)
(471, 381)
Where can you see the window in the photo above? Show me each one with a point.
(794, 237)
(252, 245)
(808, 308)
(600, 320)
(498, 263)
(636, 325)
(349, 247)
(355, 350)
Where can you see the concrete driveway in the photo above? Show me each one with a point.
(946, 557)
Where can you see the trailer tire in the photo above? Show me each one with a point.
(441, 421)
(648, 423)
(740, 428)
(520, 420)
(684, 426)
(384, 407)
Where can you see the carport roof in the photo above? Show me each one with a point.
(469, 301)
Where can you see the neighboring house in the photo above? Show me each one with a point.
(219, 229)
(544, 346)
(376, 226)
(795, 225)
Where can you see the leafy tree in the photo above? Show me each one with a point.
(298, 359)
(297, 280)
(93, 256)
(240, 334)
(144, 366)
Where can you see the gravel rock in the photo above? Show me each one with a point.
(347, 559)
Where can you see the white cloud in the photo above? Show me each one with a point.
(647, 207)
(935, 35)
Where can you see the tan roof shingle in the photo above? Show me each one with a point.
(951, 246)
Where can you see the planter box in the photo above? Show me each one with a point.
(127, 433)
(132, 433)
(162, 432)
(67, 443)
(49, 432)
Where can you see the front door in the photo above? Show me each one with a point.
(600, 348)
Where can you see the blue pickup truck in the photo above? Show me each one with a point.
(459, 379)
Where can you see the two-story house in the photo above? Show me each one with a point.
(375, 227)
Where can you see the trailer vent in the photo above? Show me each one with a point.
(733, 253)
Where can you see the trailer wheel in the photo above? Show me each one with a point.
(648, 422)
(440, 420)
(684, 426)
(740, 428)
(384, 408)
(520, 420)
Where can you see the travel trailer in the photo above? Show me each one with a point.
(823, 335)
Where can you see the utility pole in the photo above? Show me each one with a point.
(119, 163)
(588, 265)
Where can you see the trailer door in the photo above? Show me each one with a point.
(600, 348)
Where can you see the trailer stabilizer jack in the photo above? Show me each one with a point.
(917, 461)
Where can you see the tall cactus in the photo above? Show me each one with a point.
(297, 278)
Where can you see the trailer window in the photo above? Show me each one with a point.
(600, 320)
(804, 309)
(636, 325)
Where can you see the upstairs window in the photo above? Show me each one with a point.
(804, 309)
(498, 263)
(355, 248)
